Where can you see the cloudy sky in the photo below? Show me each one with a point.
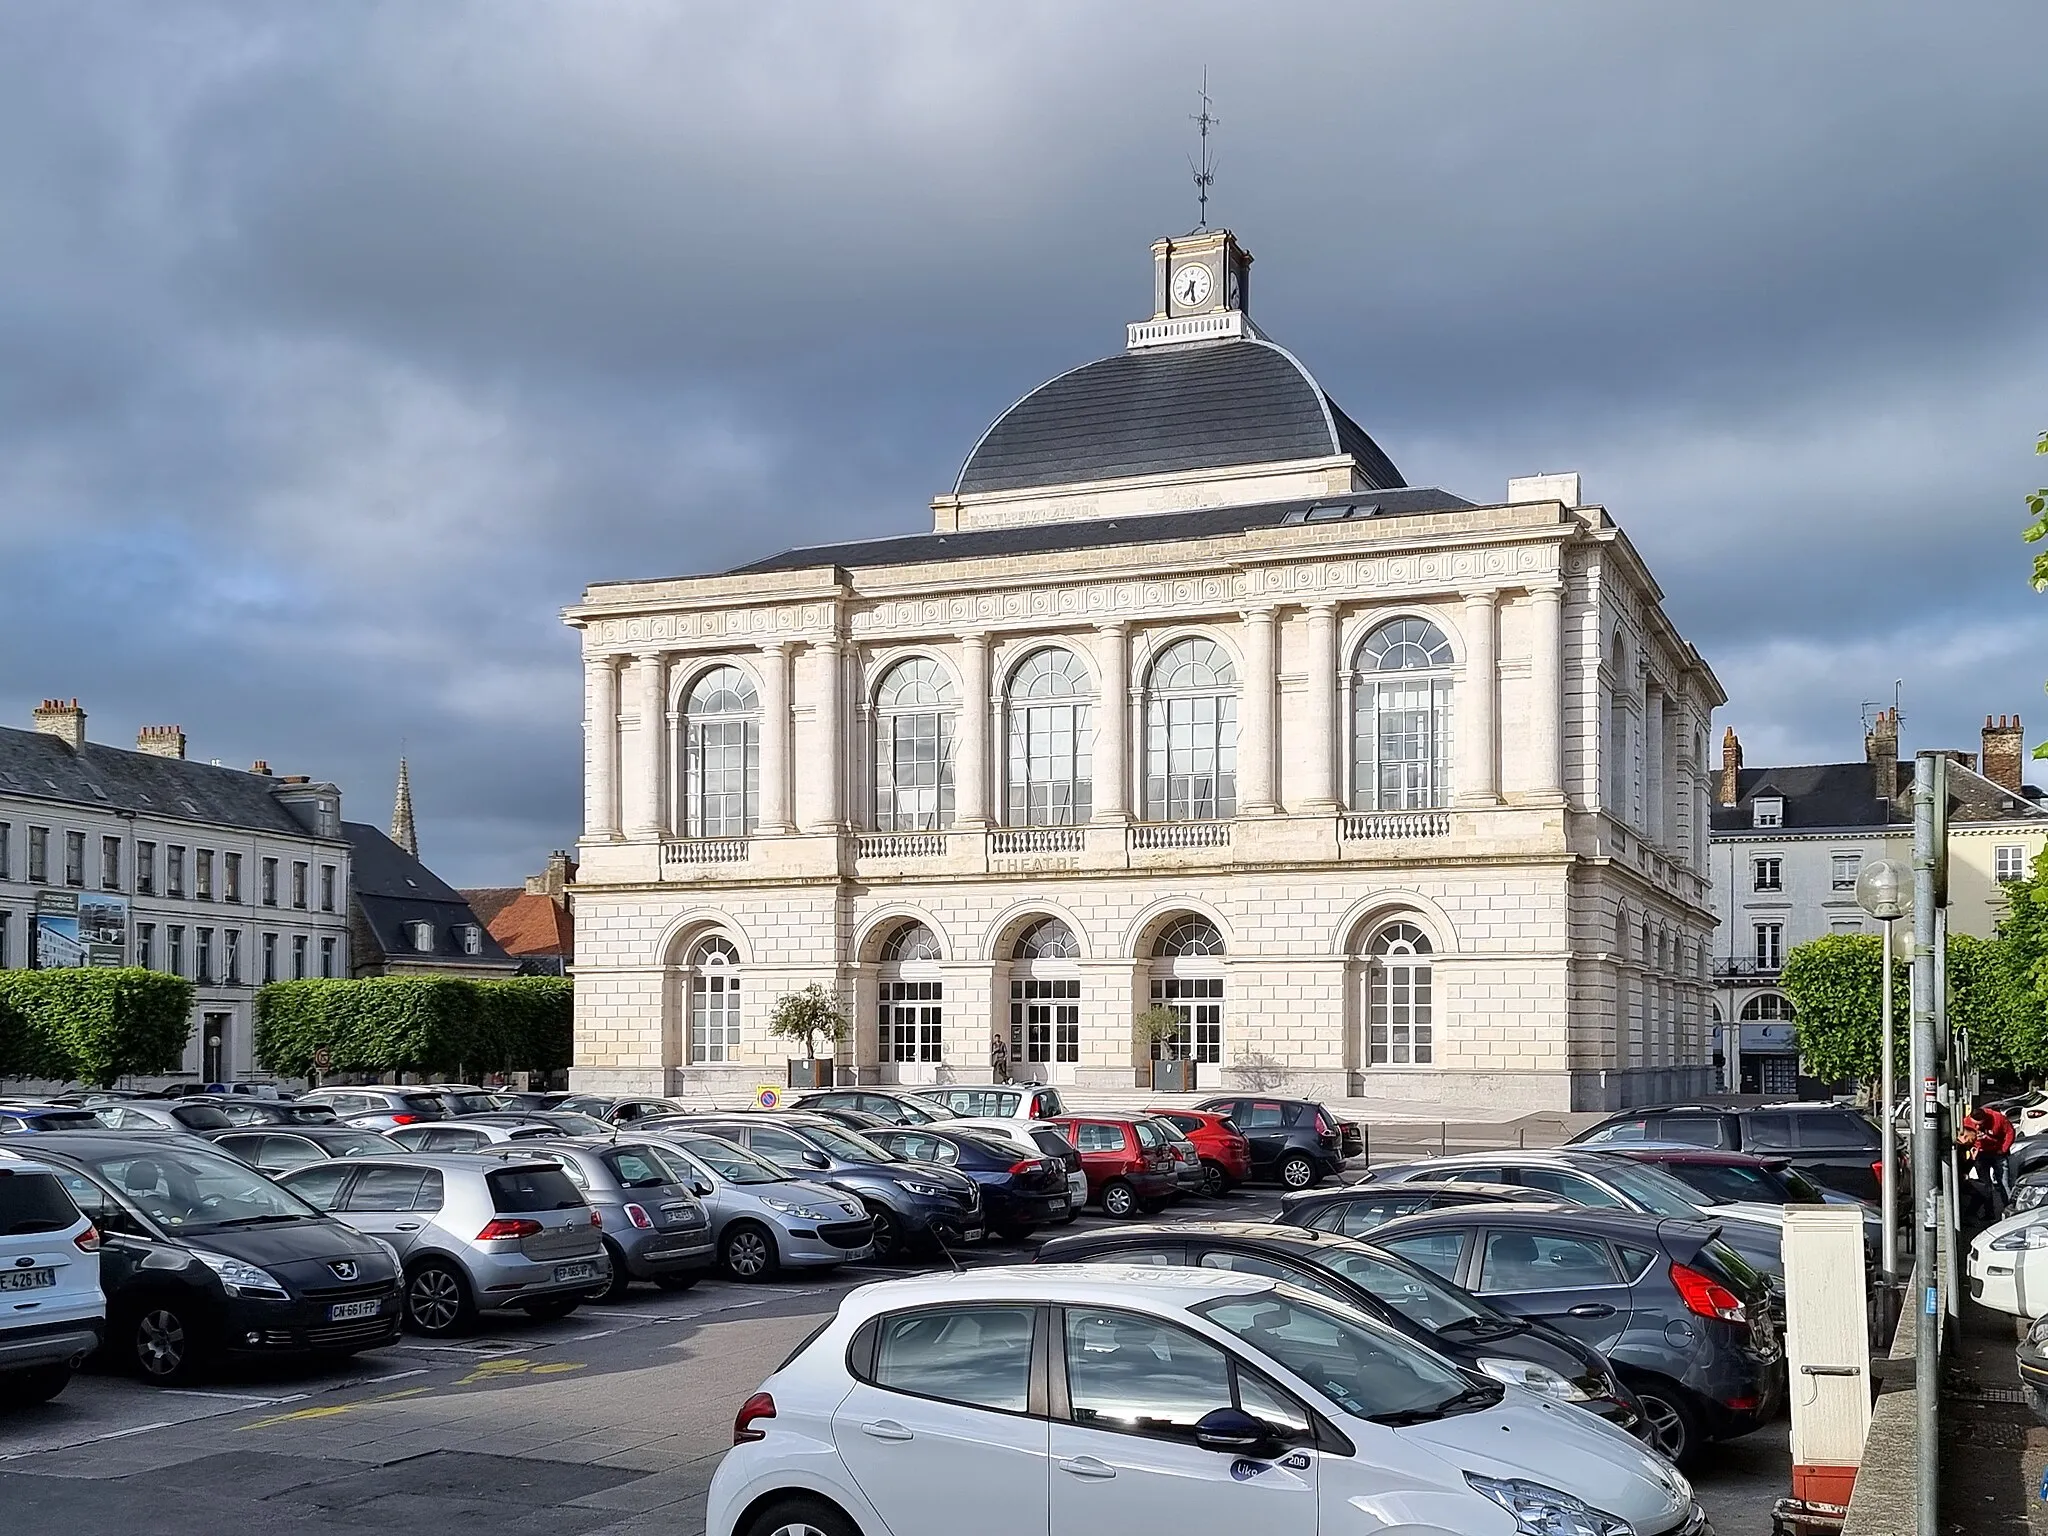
(341, 344)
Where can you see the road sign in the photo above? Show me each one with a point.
(767, 1096)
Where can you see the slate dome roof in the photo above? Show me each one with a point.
(1157, 411)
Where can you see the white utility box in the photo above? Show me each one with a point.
(1827, 1348)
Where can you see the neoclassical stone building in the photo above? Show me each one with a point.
(1186, 698)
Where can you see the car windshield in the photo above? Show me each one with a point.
(301, 1114)
(63, 1119)
(573, 1124)
(1414, 1293)
(1052, 1143)
(1800, 1187)
(642, 1167)
(734, 1164)
(1654, 1190)
(848, 1146)
(186, 1191)
(1370, 1373)
(925, 1110)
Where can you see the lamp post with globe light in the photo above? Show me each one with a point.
(1884, 889)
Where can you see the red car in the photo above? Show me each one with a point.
(1226, 1155)
(1128, 1162)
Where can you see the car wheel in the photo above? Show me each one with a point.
(163, 1343)
(38, 1384)
(437, 1301)
(615, 1287)
(1670, 1422)
(1119, 1199)
(554, 1309)
(1297, 1172)
(888, 1234)
(677, 1282)
(747, 1251)
(801, 1517)
(1215, 1182)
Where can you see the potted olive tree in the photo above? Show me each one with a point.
(810, 1015)
(1161, 1029)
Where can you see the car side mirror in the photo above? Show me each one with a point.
(817, 1160)
(699, 1188)
(1233, 1431)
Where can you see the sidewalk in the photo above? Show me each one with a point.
(1993, 1453)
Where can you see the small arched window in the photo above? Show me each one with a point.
(910, 942)
(1620, 730)
(1051, 730)
(915, 711)
(1767, 1008)
(1188, 936)
(1047, 939)
(1191, 734)
(1401, 1003)
(721, 755)
(1401, 718)
(714, 1000)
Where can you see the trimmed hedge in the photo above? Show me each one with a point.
(93, 1025)
(415, 1024)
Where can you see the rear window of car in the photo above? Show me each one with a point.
(1695, 1130)
(1150, 1134)
(468, 1103)
(429, 1104)
(65, 1120)
(531, 1189)
(200, 1117)
(1052, 1143)
(33, 1202)
(303, 1114)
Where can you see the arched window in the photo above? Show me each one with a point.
(1619, 730)
(1045, 1001)
(1187, 976)
(1401, 1004)
(1401, 718)
(1047, 939)
(912, 1003)
(714, 1000)
(721, 755)
(1191, 734)
(1767, 1008)
(1052, 730)
(914, 718)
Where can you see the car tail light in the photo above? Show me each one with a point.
(637, 1214)
(508, 1226)
(1707, 1298)
(1877, 1172)
(405, 1119)
(596, 1217)
(1324, 1128)
(752, 1411)
(88, 1241)
(1029, 1165)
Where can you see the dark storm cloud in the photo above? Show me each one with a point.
(339, 346)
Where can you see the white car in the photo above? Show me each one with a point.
(2009, 1264)
(1058, 1400)
(997, 1101)
(52, 1314)
(1034, 1138)
(2030, 1116)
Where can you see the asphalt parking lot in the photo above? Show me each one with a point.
(606, 1423)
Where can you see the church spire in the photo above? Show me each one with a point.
(402, 832)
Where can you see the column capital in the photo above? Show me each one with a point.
(1322, 610)
(774, 647)
(656, 653)
(1481, 597)
(1259, 613)
(830, 644)
(973, 637)
(1112, 626)
(1547, 592)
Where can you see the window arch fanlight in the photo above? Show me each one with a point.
(1401, 718)
(1186, 980)
(1051, 708)
(916, 708)
(721, 755)
(1401, 998)
(1047, 939)
(910, 942)
(1768, 1008)
(1191, 733)
(714, 1000)
(1189, 936)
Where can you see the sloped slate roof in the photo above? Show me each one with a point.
(392, 888)
(113, 778)
(1816, 795)
(1168, 410)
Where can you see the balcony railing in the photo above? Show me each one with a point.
(1017, 840)
(1736, 965)
(1392, 826)
(1151, 836)
(900, 845)
(706, 850)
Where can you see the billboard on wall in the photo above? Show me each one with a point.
(80, 928)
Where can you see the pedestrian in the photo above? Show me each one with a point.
(999, 1058)
(1994, 1145)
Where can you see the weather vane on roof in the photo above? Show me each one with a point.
(1205, 172)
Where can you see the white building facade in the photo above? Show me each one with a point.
(1186, 700)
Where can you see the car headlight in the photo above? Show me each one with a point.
(240, 1279)
(1537, 1378)
(795, 1208)
(917, 1187)
(2026, 1237)
(2027, 1196)
(1542, 1511)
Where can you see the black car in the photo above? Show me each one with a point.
(1358, 1208)
(251, 1111)
(1834, 1146)
(202, 1258)
(898, 1108)
(31, 1119)
(1682, 1317)
(1295, 1142)
(2032, 1359)
(1405, 1297)
(276, 1149)
(1018, 1193)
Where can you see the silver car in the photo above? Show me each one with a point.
(655, 1228)
(380, 1106)
(1188, 1175)
(475, 1233)
(761, 1218)
(471, 1133)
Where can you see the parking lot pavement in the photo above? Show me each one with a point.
(606, 1423)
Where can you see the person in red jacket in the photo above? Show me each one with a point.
(1993, 1143)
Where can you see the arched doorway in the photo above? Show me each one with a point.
(1187, 976)
(1045, 1003)
(910, 1007)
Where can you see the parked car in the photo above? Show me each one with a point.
(463, 1098)
(1121, 1400)
(1126, 1159)
(1225, 1155)
(381, 1107)
(2008, 1264)
(1035, 1138)
(475, 1233)
(52, 1312)
(567, 1122)
(619, 1111)
(473, 1133)
(2032, 1359)
(29, 1118)
(202, 1257)
(1189, 1178)
(1742, 1178)
(1834, 1146)
(853, 1119)
(278, 1149)
(1018, 1192)
(1403, 1296)
(252, 1111)
(1293, 1141)
(897, 1106)
(185, 1114)
(1683, 1318)
(998, 1101)
(517, 1099)
(1356, 1209)
(762, 1220)
(915, 1207)
(654, 1226)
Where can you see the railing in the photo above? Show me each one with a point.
(1037, 840)
(706, 850)
(1729, 966)
(1180, 834)
(900, 845)
(1390, 826)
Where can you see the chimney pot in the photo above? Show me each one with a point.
(260, 766)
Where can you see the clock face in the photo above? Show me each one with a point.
(1192, 284)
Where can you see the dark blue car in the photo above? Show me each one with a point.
(1018, 1193)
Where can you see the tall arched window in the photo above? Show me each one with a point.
(714, 1000)
(1402, 1003)
(1618, 729)
(914, 717)
(721, 755)
(912, 1004)
(1191, 734)
(1052, 729)
(1767, 1008)
(1401, 718)
(1045, 1001)
(1187, 976)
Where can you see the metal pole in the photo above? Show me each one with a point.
(1926, 1199)
(1951, 1156)
(1887, 1176)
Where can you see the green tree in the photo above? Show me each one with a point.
(2037, 530)
(92, 1025)
(1836, 985)
(416, 1024)
(2023, 957)
(815, 1011)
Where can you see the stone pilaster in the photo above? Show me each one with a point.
(1478, 715)
(1255, 735)
(1546, 695)
(970, 749)
(647, 759)
(1322, 791)
(774, 816)
(601, 746)
(1112, 755)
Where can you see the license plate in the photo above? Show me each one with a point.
(343, 1311)
(27, 1279)
(971, 1235)
(575, 1271)
(1059, 1207)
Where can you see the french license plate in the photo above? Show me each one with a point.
(344, 1311)
(971, 1235)
(575, 1271)
(1059, 1207)
(27, 1279)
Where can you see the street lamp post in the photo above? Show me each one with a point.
(1884, 889)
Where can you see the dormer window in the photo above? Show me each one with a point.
(422, 937)
(1767, 811)
(472, 940)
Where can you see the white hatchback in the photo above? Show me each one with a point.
(2009, 1264)
(1069, 1399)
(52, 1313)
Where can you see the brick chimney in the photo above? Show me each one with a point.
(160, 741)
(1881, 751)
(555, 882)
(1729, 790)
(260, 767)
(65, 721)
(2005, 752)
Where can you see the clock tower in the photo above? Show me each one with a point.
(1201, 287)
